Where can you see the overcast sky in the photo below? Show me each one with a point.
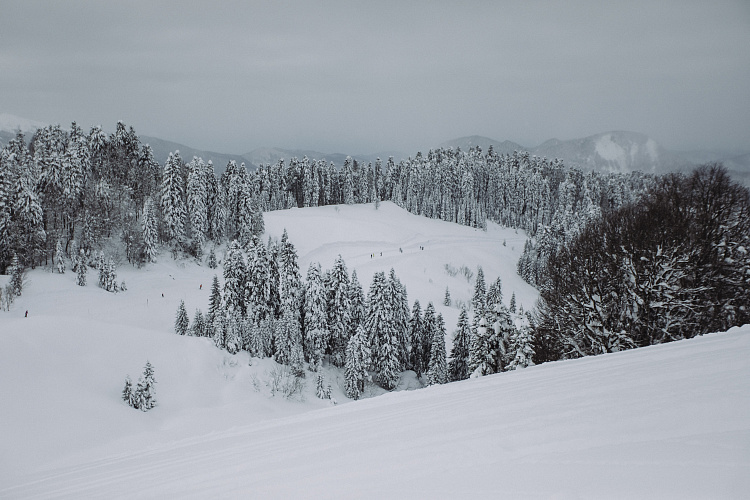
(365, 77)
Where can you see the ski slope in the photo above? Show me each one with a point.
(670, 421)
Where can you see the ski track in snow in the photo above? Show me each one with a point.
(670, 421)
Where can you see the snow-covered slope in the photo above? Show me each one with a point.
(670, 421)
(62, 368)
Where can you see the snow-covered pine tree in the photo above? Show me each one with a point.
(357, 362)
(438, 370)
(400, 306)
(339, 311)
(199, 325)
(101, 266)
(316, 325)
(173, 200)
(447, 298)
(145, 394)
(512, 307)
(218, 328)
(214, 303)
(287, 339)
(59, 258)
(233, 331)
(416, 333)
(320, 390)
(16, 272)
(150, 228)
(429, 325)
(196, 201)
(290, 280)
(234, 279)
(111, 276)
(181, 322)
(356, 304)
(458, 367)
(127, 392)
(81, 269)
(212, 264)
(382, 332)
(264, 338)
(481, 359)
(258, 285)
(522, 347)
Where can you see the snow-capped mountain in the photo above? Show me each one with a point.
(11, 123)
(616, 151)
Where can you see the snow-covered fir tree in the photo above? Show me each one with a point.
(320, 389)
(429, 325)
(181, 321)
(417, 341)
(481, 358)
(512, 306)
(458, 367)
(198, 329)
(356, 304)
(358, 359)
(233, 332)
(382, 331)
(447, 298)
(234, 279)
(128, 393)
(150, 229)
(339, 311)
(396, 292)
(258, 284)
(16, 272)
(214, 302)
(522, 349)
(145, 393)
(59, 258)
(315, 324)
(290, 280)
(196, 201)
(438, 369)
(81, 269)
(173, 200)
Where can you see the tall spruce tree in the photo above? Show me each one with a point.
(316, 325)
(458, 367)
(339, 311)
(417, 333)
(181, 322)
(380, 325)
(357, 363)
(438, 371)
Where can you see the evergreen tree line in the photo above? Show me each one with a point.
(68, 186)
(265, 308)
(670, 267)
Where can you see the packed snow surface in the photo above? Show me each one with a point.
(666, 421)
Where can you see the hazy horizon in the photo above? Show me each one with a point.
(365, 77)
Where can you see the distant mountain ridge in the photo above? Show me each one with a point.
(614, 151)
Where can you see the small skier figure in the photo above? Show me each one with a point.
(201, 287)
(26, 315)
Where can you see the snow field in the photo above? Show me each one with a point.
(65, 364)
(668, 421)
